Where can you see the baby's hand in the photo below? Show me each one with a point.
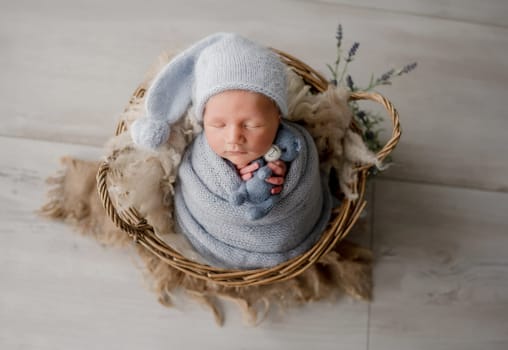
(246, 171)
(279, 169)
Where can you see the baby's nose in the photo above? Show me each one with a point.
(234, 134)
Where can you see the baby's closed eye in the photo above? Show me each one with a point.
(252, 125)
(216, 125)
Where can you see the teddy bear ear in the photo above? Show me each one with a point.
(298, 144)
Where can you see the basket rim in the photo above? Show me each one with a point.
(343, 218)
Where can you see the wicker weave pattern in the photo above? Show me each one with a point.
(341, 222)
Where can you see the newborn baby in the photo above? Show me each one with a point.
(240, 126)
(238, 90)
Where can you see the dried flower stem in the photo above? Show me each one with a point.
(367, 120)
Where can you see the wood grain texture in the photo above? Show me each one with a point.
(61, 290)
(442, 271)
(489, 12)
(68, 69)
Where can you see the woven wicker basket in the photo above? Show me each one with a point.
(341, 222)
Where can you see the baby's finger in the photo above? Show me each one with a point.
(277, 190)
(246, 177)
(275, 180)
(248, 169)
(278, 167)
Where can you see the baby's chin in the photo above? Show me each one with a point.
(241, 159)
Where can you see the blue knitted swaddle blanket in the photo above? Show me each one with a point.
(220, 231)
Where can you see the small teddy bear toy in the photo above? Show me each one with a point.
(256, 190)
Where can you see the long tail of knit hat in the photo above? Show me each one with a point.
(217, 63)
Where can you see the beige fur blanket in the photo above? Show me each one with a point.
(144, 180)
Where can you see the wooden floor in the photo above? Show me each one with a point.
(439, 216)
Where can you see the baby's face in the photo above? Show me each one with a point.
(240, 125)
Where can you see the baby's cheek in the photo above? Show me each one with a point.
(215, 144)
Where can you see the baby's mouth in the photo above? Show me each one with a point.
(235, 150)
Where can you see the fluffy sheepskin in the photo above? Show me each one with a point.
(144, 180)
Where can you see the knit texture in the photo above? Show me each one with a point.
(217, 63)
(220, 231)
(236, 63)
(256, 190)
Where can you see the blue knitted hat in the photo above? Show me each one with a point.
(217, 63)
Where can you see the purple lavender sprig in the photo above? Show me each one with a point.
(335, 70)
(352, 51)
(350, 83)
(338, 35)
(385, 79)
(367, 120)
(349, 58)
(407, 68)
